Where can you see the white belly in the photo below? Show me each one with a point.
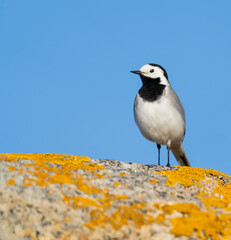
(159, 121)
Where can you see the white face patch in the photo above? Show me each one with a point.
(154, 72)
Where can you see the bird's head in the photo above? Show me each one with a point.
(153, 71)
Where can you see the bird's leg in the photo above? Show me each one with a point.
(168, 165)
(158, 146)
(168, 147)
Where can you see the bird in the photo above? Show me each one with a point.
(159, 113)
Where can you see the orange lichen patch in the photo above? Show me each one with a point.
(123, 174)
(123, 215)
(98, 175)
(184, 175)
(215, 222)
(214, 195)
(204, 224)
(173, 194)
(107, 207)
(41, 159)
(99, 206)
(27, 184)
(40, 180)
(11, 168)
(153, 181)
(28, 181)
(20, 171)
(42, 173)
(11, 182)
(107, 200)
(189, 176)
(219, 197)
(116, 184)
(78, 201)
(60, 177)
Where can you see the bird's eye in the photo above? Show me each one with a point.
(152, 70)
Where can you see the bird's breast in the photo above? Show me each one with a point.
(159, 121)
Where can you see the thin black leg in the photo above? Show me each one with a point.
(158, 146)
(168, 165)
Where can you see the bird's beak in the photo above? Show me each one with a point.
(136, 72)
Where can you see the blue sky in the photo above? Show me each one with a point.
(66, 85)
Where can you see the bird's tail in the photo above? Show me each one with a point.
(180, 155)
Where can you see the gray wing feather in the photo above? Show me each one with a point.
(174, 99)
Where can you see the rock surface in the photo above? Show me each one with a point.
(50, 196)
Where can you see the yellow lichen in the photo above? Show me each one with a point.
(123, 215)
(204, 224)
(215, 222)
(45, 174)
(189, 176)
(78, 201)
(186, 219)
(116, 184)
(11, 168)
(184, 175)
(212, 194)
(153, 181)
(98, 175)
(123, 174)
(11, 182)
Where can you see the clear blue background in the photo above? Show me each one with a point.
(65, 81)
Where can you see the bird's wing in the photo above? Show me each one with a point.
(175, 101)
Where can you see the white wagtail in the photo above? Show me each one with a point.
(158, 112)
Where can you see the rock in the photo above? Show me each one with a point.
(50, 196)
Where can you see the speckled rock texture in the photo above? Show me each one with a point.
(50, 196)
